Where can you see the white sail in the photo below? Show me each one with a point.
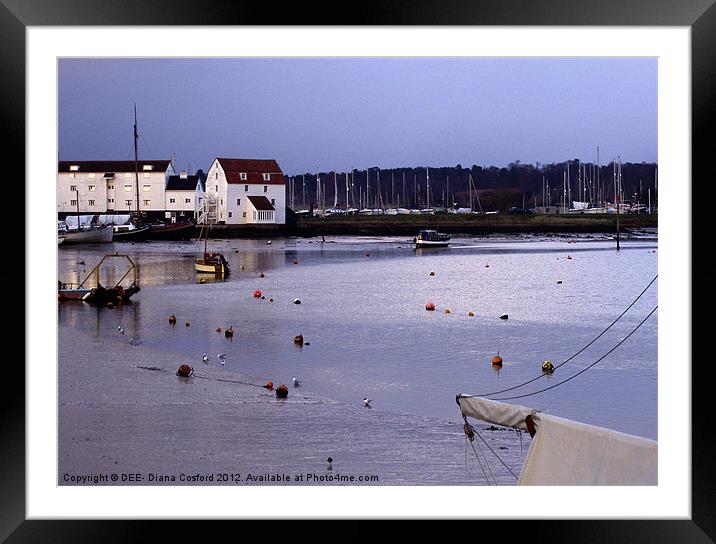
(565, 452)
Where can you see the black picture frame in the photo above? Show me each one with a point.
(16, 15)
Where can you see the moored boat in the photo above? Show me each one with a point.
(130, 232)
(211, 263)
(93, 235)
(171, 231)
(101, 295)
(431, 238)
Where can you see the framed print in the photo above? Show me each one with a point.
(179, 397)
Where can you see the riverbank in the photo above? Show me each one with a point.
(408, 225)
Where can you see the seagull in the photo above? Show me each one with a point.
(205, 358)
(296, 383)
(367, 402)
(120, 329)
(330, 466)
(221, 357)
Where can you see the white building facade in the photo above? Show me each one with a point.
(182, 196)
(111, 187)
(247, 191)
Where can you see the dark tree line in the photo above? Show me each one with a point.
(497, 188)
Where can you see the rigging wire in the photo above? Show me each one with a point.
(498, 457)
(586, 368)
(480, 463)
(573, 356)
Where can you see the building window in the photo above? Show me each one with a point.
(244, 214)
(273, 201)
(243, 176)
(254, 214)
(217, 174)
(128, 188)
(73, 203)
(146, 167)
(90, 187)
(73, 188)
(147, 188)
(91, 202)
(265, 188)
(128, 203)
(127, 174)
(246, 187)
(221, 202)
(110, 186)
(146, 174)
(90, 175)
(267, 177)
(72, 175)
(110, 200)
(172, 201)
(230, 214)
(216, 188)
(146, 202)
(238, 202)
(74, 168)
(187, 201)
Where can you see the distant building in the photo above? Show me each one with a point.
(110, 187)
(547, 209)
(183, 195)
(244, 191)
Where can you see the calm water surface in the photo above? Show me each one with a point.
(368, 334)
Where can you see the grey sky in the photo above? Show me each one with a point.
(336, 113)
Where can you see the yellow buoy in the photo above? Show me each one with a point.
(548, 367)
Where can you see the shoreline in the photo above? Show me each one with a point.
(409, 225)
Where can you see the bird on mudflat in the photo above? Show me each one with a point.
(120, 329)
(296, 383)
(330, 461)
(221, 357)
(367, 402)
(205, 358)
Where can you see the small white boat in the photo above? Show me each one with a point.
(427, 211)
(94, 235)
(403, 211)
(431, 238)
(391, 211)
(365, 211)
(413, 211)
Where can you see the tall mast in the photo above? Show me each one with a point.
(427, 187)
(136, 161)
(335, 190)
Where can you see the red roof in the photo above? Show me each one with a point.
(254, 170)
(261, 203)
(112, 166)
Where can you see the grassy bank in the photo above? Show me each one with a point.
(409, 225)
(472, 224)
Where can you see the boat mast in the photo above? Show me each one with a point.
(335, 190)
(136, 162)
(427, 188)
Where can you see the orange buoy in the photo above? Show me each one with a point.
(269, 386)
(257, 293)
(185, 371)
(497, 360)
(228, 333)
(282, 391)
(173, 319)
(430, 306)
(218, 329)
(298, 339)
(470, 314)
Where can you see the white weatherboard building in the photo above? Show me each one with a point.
(245, 191)
(110, 187)
(182, 195)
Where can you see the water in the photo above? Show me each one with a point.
(367, 334)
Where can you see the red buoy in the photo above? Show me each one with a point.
(430, 306)
(257, 293)
(185, 371)
(282, 391)
(269, 385)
